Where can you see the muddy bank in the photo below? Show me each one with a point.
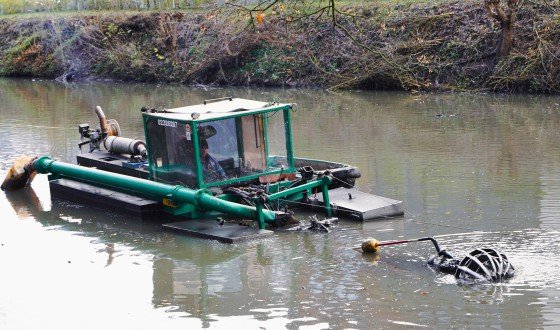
(436, 47)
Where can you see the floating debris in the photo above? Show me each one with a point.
(316, 224)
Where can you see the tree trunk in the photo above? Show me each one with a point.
(506, 17)
(506, 43)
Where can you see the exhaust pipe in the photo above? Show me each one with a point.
(102, 119)
(108, 127)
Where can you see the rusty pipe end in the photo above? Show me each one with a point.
(20, 174)
(102, 119)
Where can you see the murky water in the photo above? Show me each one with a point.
(473, 170)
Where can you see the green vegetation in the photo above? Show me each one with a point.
(27, 57)
(27, 6)
(9, 7)
(412, 45)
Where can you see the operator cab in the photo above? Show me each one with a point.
(220, 142)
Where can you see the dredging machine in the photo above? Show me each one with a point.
(216, 164)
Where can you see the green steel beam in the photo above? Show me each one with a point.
(197, 157)
(324, 181)
(288, 133)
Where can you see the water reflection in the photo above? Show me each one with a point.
(477, 170)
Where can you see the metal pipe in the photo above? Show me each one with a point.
(436, 245)
(102, 119)
(150, 189)
(324, 181)
(122, 145)
(372, 245)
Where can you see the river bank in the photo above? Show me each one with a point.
(442, 47)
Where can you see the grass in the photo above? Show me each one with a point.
(14, 8)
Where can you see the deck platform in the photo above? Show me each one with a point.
(362, 206)
(102, 197)
(211, 229)
(112, 163)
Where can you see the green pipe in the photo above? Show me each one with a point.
(326, 198)
(324, 181)
(150, 189)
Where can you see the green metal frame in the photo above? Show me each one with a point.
(194, 123)
(197, 159)
(265, 142)
(180, 200)
(288, 133)
(322, 182)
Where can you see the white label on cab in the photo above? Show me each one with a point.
(168, 123)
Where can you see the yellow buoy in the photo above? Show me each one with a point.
(370, 246)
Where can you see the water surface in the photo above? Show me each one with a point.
(472, 170)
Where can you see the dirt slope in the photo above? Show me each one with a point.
(437, 47)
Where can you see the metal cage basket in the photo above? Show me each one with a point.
(484, 265)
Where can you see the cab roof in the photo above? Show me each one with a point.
(219, 108)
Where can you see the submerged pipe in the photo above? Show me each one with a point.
(150, 189)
